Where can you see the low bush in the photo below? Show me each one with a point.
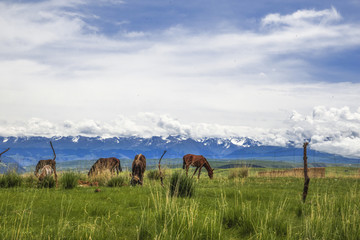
(10, 179)
(46, 182)
(30, 181)
(118, 181)
(69, 180)
(154, 174)
(102, 178)
(239, 173)
(181, 185)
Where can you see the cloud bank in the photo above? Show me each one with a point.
(332, 130)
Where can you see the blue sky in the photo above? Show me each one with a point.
(272, 70)
(111, 18)
(205, 15)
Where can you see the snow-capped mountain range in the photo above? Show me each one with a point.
(28, 150)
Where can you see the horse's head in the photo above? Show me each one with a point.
(135, 180)
(211, 173)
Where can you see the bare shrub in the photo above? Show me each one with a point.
(295, 172)
(155, 174)
(239, 173)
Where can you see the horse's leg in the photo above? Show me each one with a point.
(200, 171)
(195, 171)
(56, 180)
(141, 179)
(187, 169)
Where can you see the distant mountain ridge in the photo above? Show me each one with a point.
(28, 150)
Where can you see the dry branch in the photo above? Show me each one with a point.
(53, 150)
(160, 173)
(4, 152)
(54, 164)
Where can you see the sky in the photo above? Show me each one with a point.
(276, 71)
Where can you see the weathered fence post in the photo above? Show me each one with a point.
(307, 179)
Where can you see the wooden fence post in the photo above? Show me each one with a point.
(307, 179)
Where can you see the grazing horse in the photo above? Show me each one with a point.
(138, 169)
(50, 162)
(101, 164)
(197, 161)
(47, 170)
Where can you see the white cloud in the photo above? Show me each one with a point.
(142, 124)
(333, 130)
(26, 27)
(303, 17)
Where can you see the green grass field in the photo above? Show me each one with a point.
(222, 208)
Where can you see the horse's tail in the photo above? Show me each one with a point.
(184, 162)
(37, 168)
(119, 167)
(92, 169)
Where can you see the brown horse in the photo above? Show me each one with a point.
(197, 161)
(138, 169)
(101, 164)
(50, 162)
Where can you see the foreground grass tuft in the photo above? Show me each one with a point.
(181, 185)
(153, 174)
(10, 179)
(173, 218)
(69, 180)
(47, 182)
(30, 181)
(118, 181)
(102, 178)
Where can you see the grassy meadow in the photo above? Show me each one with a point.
(233, 205)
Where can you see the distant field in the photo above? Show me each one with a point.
(84, 165)
(222, 208)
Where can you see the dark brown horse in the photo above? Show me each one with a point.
(50, 162)
(197, 161)
(101, 164)
(138, 169)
